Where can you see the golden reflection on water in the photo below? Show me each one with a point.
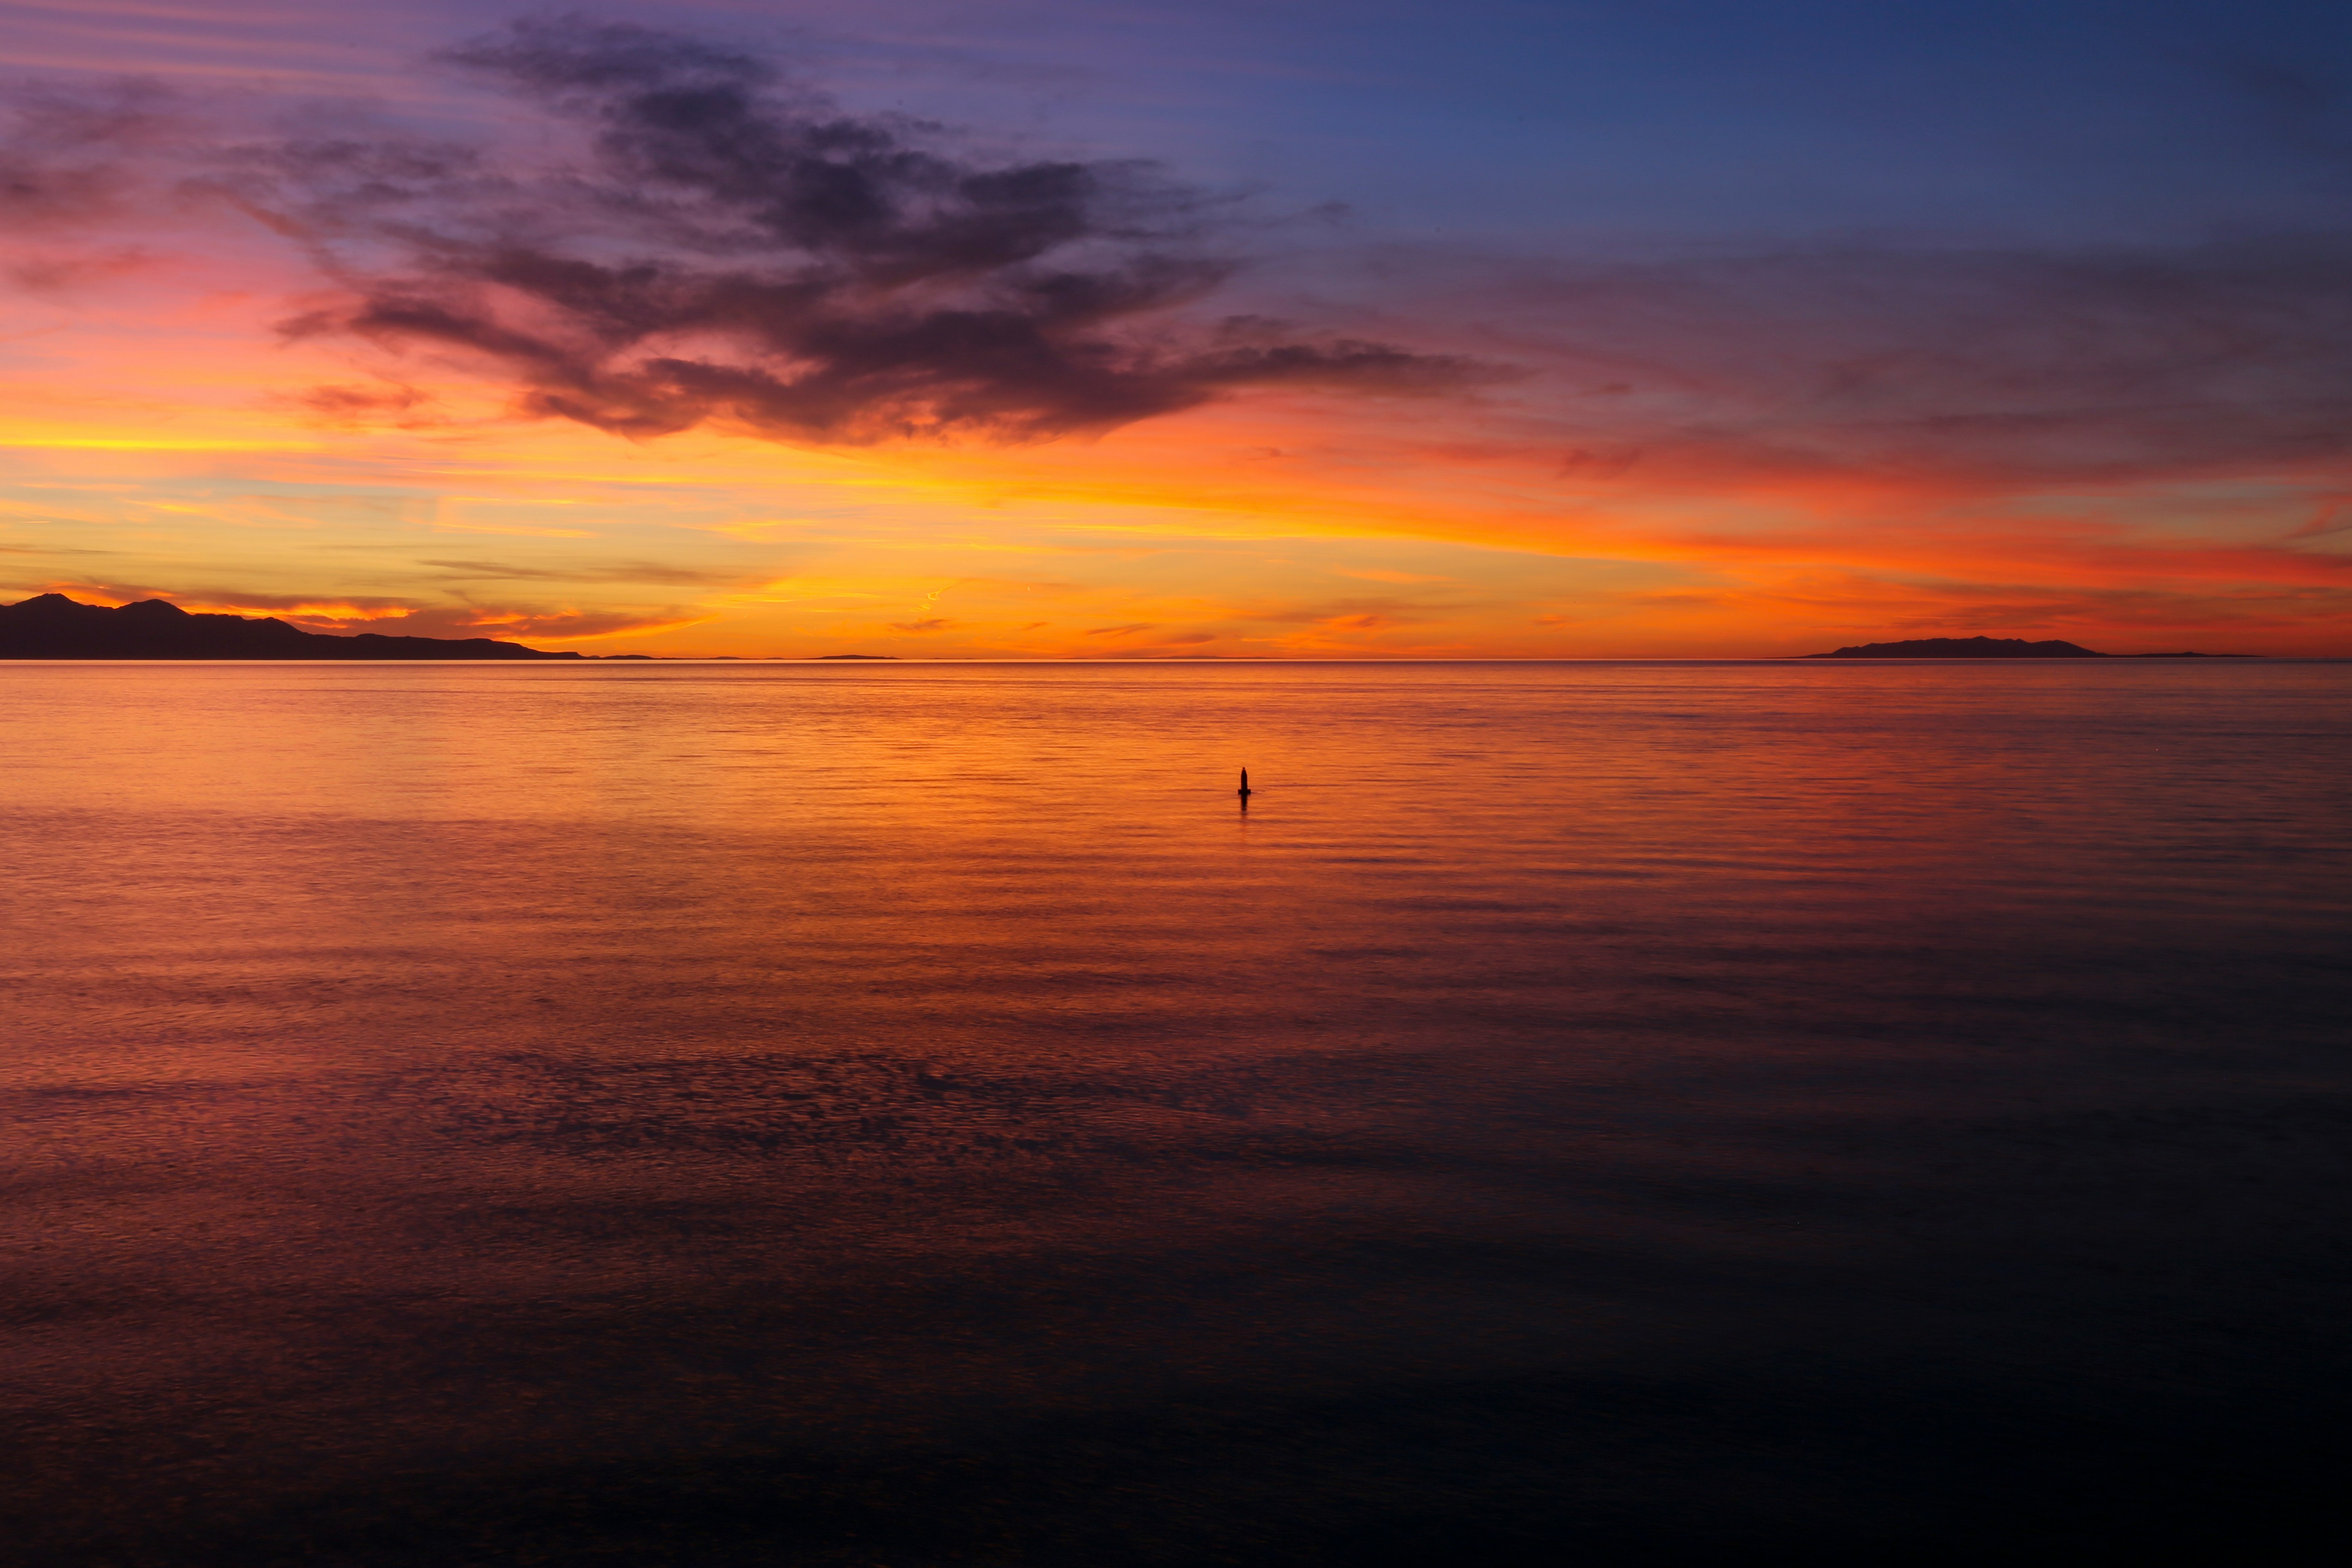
(420, 1072)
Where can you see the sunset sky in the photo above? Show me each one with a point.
(1096, 329)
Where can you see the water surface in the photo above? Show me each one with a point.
(909, 1114)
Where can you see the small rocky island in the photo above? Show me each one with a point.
(1995, 648)
(54, 627)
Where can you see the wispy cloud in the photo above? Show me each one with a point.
(618, 572)
(1991, 370)
(69, 157)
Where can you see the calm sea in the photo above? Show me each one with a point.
(910, 1114)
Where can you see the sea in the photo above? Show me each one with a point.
(904, 1114)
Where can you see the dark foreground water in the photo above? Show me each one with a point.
(907, 1115)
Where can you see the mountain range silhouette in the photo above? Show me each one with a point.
(54, 627)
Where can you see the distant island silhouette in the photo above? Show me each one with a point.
(826, 656)
(1996, 647)
(54, 627)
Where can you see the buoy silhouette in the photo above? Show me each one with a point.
(1244, 791)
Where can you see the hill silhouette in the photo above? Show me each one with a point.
(54, 627)
(1965, 647)
(1996, 648)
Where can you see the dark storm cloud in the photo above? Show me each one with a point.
(731, 245)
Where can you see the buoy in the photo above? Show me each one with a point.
(1245, 788)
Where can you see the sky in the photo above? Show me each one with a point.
(1294, 328)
